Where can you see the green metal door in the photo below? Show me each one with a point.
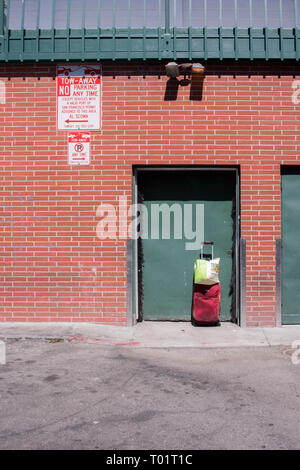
(290, 189)
(166, 266)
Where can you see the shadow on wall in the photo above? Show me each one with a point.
(116, 69)
(173, 84)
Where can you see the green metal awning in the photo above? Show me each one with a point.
(54, 30)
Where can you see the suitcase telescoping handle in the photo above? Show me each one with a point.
(212, 248)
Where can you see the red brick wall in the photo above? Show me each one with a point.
(53, 265)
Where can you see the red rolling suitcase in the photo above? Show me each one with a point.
(206, 304)
(206, 301)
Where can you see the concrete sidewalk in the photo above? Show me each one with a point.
(155, 334)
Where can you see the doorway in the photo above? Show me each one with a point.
(180, 207)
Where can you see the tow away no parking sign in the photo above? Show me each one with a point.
(78, 95)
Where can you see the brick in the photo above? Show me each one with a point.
(49, 243)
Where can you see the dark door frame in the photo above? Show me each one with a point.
(133, 285)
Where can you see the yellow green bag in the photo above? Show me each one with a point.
(206, 271)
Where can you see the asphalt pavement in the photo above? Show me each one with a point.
(76, 393)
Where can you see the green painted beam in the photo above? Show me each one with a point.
(166, 40)
(188, 43)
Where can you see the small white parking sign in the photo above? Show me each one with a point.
(79, 148)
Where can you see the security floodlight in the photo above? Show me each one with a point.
(172, 70)
(198, 70)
